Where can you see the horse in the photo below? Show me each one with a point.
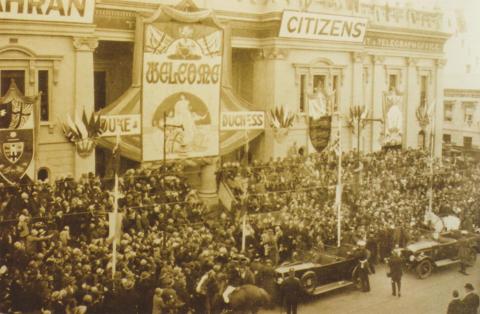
(440, 224)
(245, 299)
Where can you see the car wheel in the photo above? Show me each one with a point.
(424, 269)
(309, 282)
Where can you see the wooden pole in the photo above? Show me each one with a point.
(164, 139)
(115, 206)
(339, 184)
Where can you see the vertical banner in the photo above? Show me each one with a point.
(182, 66)
(17, 122)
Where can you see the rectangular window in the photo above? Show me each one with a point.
(303, 81)
(100, 91)
(7, 76)
(467, 142)
(447, 138)
(448, 112)
(43, 87)
(318, 83)
(392, 82)
(469, 110)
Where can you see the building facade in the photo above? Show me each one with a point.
(88, 65)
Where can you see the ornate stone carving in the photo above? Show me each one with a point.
(358, 57)
(441, 63)
(275, 53)
(412, 61)
(85, 43)
(378, 59)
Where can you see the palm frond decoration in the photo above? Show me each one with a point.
(281, 118)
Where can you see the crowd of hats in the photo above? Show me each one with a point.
(54, 252)
(386, 204)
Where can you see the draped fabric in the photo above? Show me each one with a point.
(129, 103)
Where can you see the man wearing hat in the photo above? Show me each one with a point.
(291, 291)
(463, 255)
(395, 273)
(471, 300)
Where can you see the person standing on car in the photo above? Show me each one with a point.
(291, 291)
(395, 274)
(471, 300)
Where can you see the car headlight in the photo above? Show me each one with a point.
(411, 258)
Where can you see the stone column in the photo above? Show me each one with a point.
(272, 87)
(438, 114)
(208, 182)
(357, 89)
(378, 83)
(410, 123)
(84, 94)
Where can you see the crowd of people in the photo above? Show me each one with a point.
(56, 254)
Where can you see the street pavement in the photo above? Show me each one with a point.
(426, 296)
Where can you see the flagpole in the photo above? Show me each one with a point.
(432, 150)
(338, 198)
(244, 222)
(115, 208)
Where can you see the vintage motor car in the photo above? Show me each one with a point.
(326, 271)
(429, 253)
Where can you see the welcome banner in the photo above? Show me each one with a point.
(182, 66)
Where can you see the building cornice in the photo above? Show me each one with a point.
(454, 92)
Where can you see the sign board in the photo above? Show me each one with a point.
(182, 66)
(242, 120)
(72, 11)
(127, 124)
(306, 25)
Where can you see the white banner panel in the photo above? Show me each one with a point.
(242, 120)
(306, 25)
(126, 124)
(72, 11)
(181, 87)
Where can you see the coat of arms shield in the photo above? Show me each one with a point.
(16, 153)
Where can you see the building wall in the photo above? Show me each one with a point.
(459, 127)
(266, 68)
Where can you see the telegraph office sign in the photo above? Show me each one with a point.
(76, 11)
(305, 25)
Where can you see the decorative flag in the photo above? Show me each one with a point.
(114, 226)
(17, 138)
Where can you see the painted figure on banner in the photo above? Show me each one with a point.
(188, 120)
(392, 109)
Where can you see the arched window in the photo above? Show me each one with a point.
(43, 174)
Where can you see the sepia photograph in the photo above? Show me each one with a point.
(239, 156)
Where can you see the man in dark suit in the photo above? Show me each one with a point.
(455, 306)
(471, 300)
(395, 263)
(291, 290)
